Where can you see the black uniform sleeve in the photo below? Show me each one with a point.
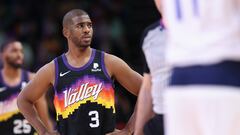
(146, 68)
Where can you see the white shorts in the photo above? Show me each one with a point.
(202, 110)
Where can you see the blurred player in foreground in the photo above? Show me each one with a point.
(203, 47)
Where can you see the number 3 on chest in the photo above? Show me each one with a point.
(94, 119)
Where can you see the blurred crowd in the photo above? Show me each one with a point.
(118, 25)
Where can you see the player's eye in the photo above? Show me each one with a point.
(13, 50)
(80, 26)
(89, 25)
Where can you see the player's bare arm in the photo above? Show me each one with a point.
(144, 105)
(43, 79)
(119, 70)
(42, 109)
(128, 78)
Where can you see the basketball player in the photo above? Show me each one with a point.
(155, 79)
(203, 48)
(12, 79)
(82, 79)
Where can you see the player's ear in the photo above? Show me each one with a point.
(65, 32)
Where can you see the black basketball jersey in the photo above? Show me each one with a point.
(12, 121)
(84, 97)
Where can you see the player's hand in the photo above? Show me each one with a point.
(120, 132)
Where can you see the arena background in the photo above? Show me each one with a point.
(118, 25)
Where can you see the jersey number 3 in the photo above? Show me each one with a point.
(94, 119)
(178, 7)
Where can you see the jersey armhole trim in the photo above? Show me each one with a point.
(28, 74)
(24, 75)
(104, 67)
(56, 75)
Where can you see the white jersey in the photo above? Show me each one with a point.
(154, 50)
(202, 31)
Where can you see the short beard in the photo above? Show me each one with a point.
(14, 65)
(78, 44)
(82, 46)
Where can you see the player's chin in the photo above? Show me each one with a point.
(17, 65)
(82, 46)
(85, 44)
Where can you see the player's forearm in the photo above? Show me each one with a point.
(42, 109)
(131, 123)
(27, 109)
(144, 110)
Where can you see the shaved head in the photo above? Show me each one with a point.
(67, 19)
(77, 28)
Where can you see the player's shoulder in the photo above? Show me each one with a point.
(112, 61)
(151, 32)
(156, 25)
(154, 36)
(46, 73)
(48, 68)
(30, 75)
(55, 61)
(110, 58)
(27, 74)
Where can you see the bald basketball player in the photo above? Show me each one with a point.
(83, 82)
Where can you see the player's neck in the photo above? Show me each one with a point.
(11, 72)
(78, 58)
(79, 53)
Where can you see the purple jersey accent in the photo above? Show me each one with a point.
(104, 67)
(80, 68)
